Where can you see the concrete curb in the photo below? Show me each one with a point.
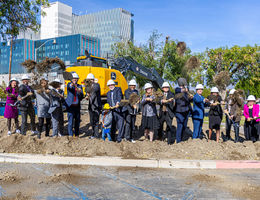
(119, 162)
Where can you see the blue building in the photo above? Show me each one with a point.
(67, 48)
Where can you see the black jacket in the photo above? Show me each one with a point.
(95, 98)
(182, 104)
(129, 108)
(25, 103)
(117, 97)
(169, 106)
(128, 92)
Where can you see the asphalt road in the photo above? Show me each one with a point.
(61, 182)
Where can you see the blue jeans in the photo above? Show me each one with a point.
(106, 133)
(197, 128)
(182, 120)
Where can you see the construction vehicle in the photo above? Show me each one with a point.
(103, 72)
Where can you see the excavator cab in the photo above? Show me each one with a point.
(98, 66)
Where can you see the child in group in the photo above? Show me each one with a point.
(11, 112)
(106, 120)
(150, 121)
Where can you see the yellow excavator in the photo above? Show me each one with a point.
(103, 72)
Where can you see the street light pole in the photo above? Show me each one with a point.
(35, 50)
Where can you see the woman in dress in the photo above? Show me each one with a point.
(11, 111)
(149, 114)
(215, 112)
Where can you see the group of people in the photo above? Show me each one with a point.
(156, 109)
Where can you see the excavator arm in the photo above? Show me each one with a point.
(124, 64)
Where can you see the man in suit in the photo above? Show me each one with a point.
(182, 108)
(130, 112)
(74, 97)
(166, 113)
(114, 96)
(94, 103)
(198, 111)
(26, 95)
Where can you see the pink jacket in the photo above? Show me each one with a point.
(255, 111)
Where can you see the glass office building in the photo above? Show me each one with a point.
(110, 26)
(67, 48)
(22, 50)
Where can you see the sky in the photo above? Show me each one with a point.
(200, 23)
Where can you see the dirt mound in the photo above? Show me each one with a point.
(69, 177)
(239, 188)
(18, 196)
(142, 149)
(9, 177)
(206, 178)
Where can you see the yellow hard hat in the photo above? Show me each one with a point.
(106, 106)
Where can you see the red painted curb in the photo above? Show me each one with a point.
(247, 164)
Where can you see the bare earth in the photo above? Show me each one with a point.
(83, 146)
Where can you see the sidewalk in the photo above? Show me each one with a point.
(119, 162)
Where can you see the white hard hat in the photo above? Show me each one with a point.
(75, 75)
(214, 89)
(25, 77)
(57, 80)
(132, 82)
(44, 78)
(199, 86)
(147, 85)
(14, 79)
(90, 76)
(111, 82)
(165, 84)
(232, 91)
(251, 98)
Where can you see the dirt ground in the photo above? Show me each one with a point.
(142, 149)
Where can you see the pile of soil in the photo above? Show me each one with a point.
(142, 149)
(18, 196)
(9, 177)
(238, 188)
(66, 177)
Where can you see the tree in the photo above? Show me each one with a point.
(16, 16)
(225, 66)
(168, 57)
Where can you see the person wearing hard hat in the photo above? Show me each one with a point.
(233, 111)
(11, 112)
(182, 108)
(114, 97)
(106, 120)
(215, 112)
(252, 119)
(56, 102)
(130, 112)
(166, 113)
(74, 97)
(94, 104)
(26, 95)
(198, 111)
(43, 105)
(150, 122)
